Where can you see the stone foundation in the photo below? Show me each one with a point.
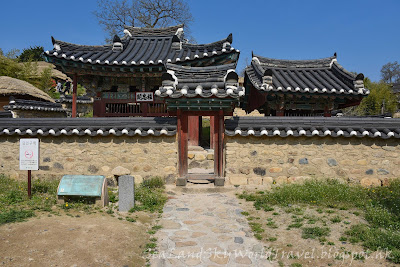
(276, 160)
(141, 157)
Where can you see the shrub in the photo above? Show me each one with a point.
(154, 182)
(314, 232)
(15, 215)
(329, 193)
(44, 187)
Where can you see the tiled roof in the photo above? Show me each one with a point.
(304, 76)
(22, 104)
(220, 81)
(79, 99)
(147, 48)
(313, 126)
(143, 126)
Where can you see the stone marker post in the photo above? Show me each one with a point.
(126, 192)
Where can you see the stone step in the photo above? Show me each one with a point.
(209, 170)
(198, 181)
(195, 148)
(201, 156)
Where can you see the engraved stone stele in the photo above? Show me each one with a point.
(126, 195)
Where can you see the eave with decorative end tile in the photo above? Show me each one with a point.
(313, 127)
(23, 104)
(141, 126)
(200, 88)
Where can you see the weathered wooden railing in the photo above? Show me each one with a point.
(125, 108)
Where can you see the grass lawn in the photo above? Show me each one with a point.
(15, 206)
(352, 223)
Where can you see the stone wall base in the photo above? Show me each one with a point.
(264, 161)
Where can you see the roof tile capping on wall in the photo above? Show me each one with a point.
(142, 147)
(142, 126)
(313, 126)
(264, 151)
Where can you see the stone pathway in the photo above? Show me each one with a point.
(206, 229)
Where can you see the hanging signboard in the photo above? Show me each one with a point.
(29, 154)
(144, 97)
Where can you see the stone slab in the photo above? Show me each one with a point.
(126, 193)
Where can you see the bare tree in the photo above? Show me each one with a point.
(114, 14)
(390, 72)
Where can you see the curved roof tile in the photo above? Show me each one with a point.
(313, 126)
(141, 49)
(324, 75)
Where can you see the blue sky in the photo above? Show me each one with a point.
(365, 34)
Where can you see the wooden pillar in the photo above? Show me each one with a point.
(144, 106)
(212, 119)
(74, 94)
(220, 143)
(328, 110)
(280, 107)
(215, 143)
(194, 131)
(182, 128)
(218, 123)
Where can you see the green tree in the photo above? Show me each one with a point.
(9, 67)
(45, 82)
(12, 54)
(32, 54)
(380, 100)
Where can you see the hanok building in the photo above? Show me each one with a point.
(301, 87)
(124, 75)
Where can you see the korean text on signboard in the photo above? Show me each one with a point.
(144, 97)
(29, 154)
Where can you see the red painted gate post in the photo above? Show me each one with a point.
(212, 119)
(182, 128)
(194, 130)
(215, 144)
(220, 142)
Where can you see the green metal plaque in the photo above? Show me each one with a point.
(81, 185)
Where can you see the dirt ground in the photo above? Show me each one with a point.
(75, 240)
(291, 248)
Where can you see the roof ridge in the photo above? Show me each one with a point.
(63, 43)
(143, 31)
(296, 63)
(227, 39)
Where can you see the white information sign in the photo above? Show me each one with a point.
(29, 154)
